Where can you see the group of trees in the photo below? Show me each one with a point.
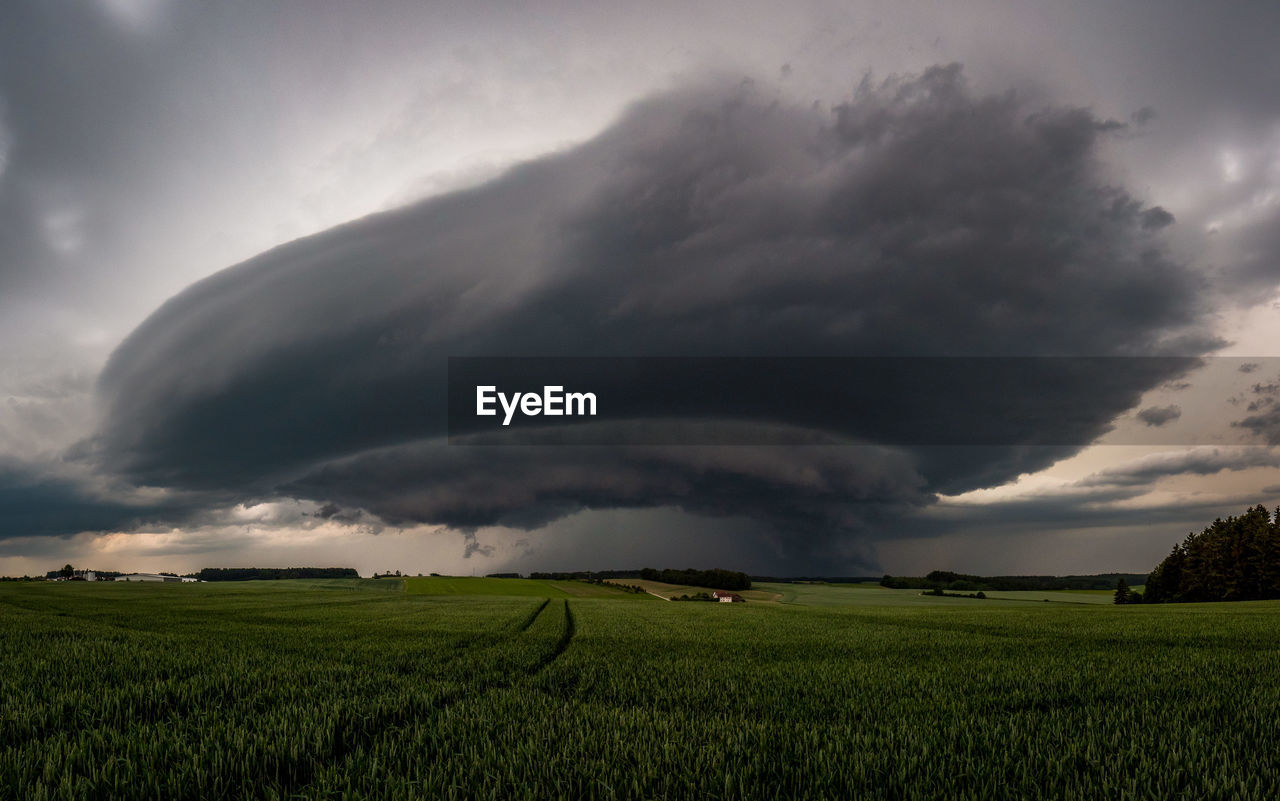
(67, 572)
(595, 576)
(1237, 559)
(609, 577)
(697, 596)
(814, 579)
(716, 579)
(963, 582)
(939, 592)
(259, 573)
(230, 573)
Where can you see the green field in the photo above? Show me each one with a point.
(509, 587)
(661, 589)
(872, 594)
(298, 689)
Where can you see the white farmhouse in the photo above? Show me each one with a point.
(727, 597)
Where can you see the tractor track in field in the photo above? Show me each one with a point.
(563, 643)
(528, 621)
(305, 777)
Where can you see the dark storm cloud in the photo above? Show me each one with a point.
(1155, 218)
(1015, 518)
(1098, 500)
(33, 503)
(1265, 425)
(1265, 396)
(916, 219)
(1200, 462)
(473, 547)
(1159, 415)
(793, 489)
(1264, 422)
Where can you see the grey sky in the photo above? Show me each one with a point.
(147, 144)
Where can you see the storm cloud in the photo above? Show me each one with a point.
(36, 501)
(1196, 461)
(794, 490)
(919, 218)
(1157, 416)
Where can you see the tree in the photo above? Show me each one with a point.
(1236, 559)
(1122, 592)
(67, 571)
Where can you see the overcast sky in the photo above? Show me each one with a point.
(238, 242)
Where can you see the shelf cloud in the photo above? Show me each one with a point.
(918, 218)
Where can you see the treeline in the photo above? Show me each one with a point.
(947, 580)
(1237, 559)
(272, 573)
(716, 579)
(815, 579)
(697, 596)
(102, 575)
(585, 575)
(940, 593)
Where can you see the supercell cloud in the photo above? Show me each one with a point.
(917, 219)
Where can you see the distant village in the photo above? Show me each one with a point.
(70, 573)
(207, 574)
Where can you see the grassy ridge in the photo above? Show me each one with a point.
(324, 691)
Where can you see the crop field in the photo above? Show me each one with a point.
(661, 589)
(875, 595)
(450, 585)
(366, 689)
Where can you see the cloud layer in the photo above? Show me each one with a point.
(918, 218)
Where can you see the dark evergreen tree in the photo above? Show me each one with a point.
(1122, 592)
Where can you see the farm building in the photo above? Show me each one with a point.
(152, 577)
(728, 597)
(78, 575)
